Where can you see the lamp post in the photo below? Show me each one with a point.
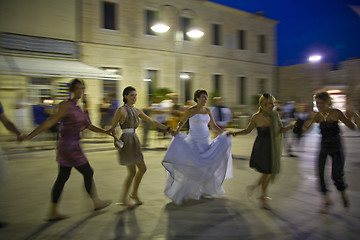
(193, 32)
(314, 60)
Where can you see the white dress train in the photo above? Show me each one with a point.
(195, 166)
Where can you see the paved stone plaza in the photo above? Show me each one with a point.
(293, 215)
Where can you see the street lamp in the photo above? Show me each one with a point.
(192, 32)
(314, 58)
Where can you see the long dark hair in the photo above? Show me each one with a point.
(126, 92)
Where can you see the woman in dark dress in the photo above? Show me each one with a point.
(69, 153)
(266, 153)
(331, 145)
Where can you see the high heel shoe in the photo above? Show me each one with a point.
(125, 204)
(136, 200)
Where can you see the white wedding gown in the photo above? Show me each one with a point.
(195, 166)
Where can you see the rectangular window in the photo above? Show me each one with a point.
(217, 84)
(185, 27)
(150, 20)
(186, 79)
(109, 15)
(241, 90)
(151, 80)
(216, 34)
(262, 86)
(39, 89)
(262, 43)
(241, 39)
(110, 89)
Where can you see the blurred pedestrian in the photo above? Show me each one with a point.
(197, 167)
(266, 152)
(146, 126)
(160, 114)
(22, 112)
(331, 145)
(301, 115)
(288, 116)
(105, 115)
(9, 125)
(69, 153)
(222, 114)
(130, 153)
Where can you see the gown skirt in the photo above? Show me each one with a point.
(195, 165)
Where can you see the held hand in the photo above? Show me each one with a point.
(174, 132)
(234, 134)
(22, 137)
(110, 132)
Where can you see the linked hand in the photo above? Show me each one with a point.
(22, 137)
(110, 132)
(231, 133)
(173, 132)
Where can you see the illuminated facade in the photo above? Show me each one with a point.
(111, 45)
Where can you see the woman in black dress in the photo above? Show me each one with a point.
(328, 118)
(266, 153)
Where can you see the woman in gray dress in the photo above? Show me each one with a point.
(130, 152)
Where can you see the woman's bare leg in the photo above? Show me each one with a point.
(138, 177)
(127, 184)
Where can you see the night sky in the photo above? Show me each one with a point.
(330, 28)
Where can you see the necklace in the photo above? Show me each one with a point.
(325, 115)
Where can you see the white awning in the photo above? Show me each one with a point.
(43, 67)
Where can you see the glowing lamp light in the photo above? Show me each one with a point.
(160, 28)
(315, 58)
(334, 91)
(184, 76)
(147, 79)
(195, 33)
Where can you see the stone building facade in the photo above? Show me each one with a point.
(110, 45)
(300, 82)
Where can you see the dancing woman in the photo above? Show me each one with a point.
(130, 153)
(69, 153)
(331, 145)
(195, 166)
(266, 152)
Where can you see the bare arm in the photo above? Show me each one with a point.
(248, 129)
(50, 121)
(309, 122)
(183, 120)
(357, 119)
(286, 128)
(9, 124)
(97, 129)
(149, 120)
(213, 124)
(345, 120)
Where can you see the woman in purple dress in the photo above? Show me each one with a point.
(69, 154)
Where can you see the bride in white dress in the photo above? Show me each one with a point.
(196, 166)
